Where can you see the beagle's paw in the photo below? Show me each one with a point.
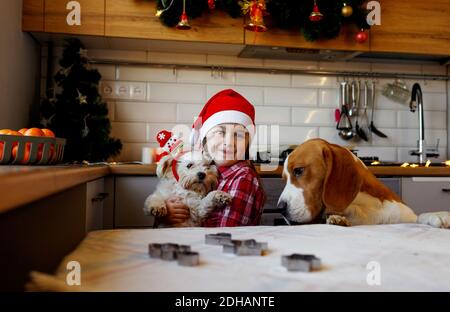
(439, 219)
(221, 198)
(338, 220)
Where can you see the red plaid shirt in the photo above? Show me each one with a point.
(241, 182)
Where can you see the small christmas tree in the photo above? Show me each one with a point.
(76, 111)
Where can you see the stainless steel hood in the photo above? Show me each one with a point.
(283, 53)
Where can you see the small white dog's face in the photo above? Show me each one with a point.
(196, 173)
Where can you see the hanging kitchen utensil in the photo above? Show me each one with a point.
(397, 91)
(373, 129)
(359, 131)
(363, 118)
(344, 124)
(354, 95)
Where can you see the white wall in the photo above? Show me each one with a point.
(19, 68)
(303, 106)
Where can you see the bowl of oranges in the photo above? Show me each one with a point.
(33, 146)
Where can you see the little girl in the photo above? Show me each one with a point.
(224, 130)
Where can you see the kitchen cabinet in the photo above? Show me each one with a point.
(277, 37)
(95, 196)
(426, 194)
(130, 194)
(84, 17)
(33, 15)
(136, 19)
(413, 26)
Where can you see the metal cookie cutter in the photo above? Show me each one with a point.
(218, 238)
(154, 250)
(169, 251)
(248, 247)
(188, 258)
(298, 262)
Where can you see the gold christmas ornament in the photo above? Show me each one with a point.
(346, 10)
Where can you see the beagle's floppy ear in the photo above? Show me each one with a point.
(342, 181)
(164, 165)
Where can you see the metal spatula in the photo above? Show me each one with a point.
(374, 129)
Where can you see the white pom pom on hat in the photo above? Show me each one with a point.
(227, 106)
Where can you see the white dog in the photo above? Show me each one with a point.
(194, 179)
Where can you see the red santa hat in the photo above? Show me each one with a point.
(227, 106)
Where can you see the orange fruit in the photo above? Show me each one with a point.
(48, 133)
(5, 131)
(23, 130)
(12, 132)
(34, 132)
(26, 153)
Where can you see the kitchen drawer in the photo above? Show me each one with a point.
(426, 194)
(130, 194)
(395, 184)
(273, 188)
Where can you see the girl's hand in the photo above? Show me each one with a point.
(177, 211)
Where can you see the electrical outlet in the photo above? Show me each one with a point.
(107, 89)
(137, 90)
(123, 90)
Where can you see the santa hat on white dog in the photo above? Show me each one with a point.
(227, 106)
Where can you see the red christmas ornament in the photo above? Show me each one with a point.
(361, 36)
(183, 24)
(257, 9)
(211, 4)
(315, 15)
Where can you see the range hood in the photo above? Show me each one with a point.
(282, 53)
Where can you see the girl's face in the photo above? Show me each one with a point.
(227, 143)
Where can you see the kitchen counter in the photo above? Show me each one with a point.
(377, 170)
(21, 185)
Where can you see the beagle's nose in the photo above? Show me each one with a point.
(282, 206)
(201, 175)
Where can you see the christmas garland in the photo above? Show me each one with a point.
(329, 16)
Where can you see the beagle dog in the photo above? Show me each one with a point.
(327, 181)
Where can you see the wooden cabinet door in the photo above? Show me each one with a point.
(136, 19)
(130, 195)
(83, 17)
(95, 196)
(413, 26)
(426, 194)
(33, 15)
(294, 39)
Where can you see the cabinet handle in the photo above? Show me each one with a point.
(446, 190)
(99, 197)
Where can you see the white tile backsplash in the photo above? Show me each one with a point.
(188, 112)
(329, 98)
(313, 117)
(290, 97)
(145, 112)
(129, 132)
(273, 115)
(134, 73)
(304, 81)
(224, 77)
(294, 135)
(300, 106)
(177, 93)
(432, 119)
(263, 79)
